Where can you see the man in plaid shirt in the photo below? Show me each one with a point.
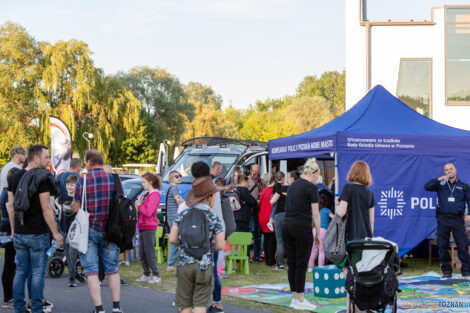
(99, 195)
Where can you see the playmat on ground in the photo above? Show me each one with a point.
(420, 294)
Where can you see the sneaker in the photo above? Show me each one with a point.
(29, 310)
(278, 267)
(171, 269)
(155, 280)
(467, 277)
(305, 306)
(94, 311)
(72, 282)
(8, 305)
(293, 303)
(115, 310)
(310, 269)
(80, 278)
(124, 283)
(48, 306)
(214, 309)
(448, 275)
(143, 278)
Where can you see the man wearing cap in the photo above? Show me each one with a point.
(18, 156)
(194, 282)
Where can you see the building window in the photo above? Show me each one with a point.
(458, 55)
(414, 84)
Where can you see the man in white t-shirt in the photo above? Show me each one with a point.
(18, 156)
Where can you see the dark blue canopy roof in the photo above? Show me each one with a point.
(378, 123)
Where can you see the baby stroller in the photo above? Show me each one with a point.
(371, 281)
(56, 264)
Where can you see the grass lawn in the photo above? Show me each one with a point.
(259, 274)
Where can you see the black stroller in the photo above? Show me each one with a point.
(56, 264)
(372, 289)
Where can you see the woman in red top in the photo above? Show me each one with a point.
(147, 224)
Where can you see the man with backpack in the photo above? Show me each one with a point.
(99, 196)
(29, 206)
(199, 233)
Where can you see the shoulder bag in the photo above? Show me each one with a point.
(77, 236)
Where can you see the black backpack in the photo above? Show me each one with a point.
(194, 232)
(122, 217)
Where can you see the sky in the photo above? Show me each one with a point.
(246, 50)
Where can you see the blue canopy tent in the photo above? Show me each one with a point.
(403, 148)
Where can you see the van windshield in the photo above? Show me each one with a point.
(183, 165)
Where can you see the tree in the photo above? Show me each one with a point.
(20, 72)
(265, 125)
(330, 85)
(84, 98)
(163, 99)
(306, 113)
(208, 119)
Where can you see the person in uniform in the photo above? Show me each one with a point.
(452, 195)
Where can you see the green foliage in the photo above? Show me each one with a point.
(307, 113)
(265, 125)
(163, 100)
(330, 85)
(132, 112)
(20, 69)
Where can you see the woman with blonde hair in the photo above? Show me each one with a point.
(357, 203)
(301, 205)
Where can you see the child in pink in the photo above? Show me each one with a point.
(147, 224)
(325, 215)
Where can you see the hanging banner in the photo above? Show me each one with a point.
(404, 212)
(61, 145)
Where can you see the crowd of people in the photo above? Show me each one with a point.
(286, 221)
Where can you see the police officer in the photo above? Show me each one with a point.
(452, 195)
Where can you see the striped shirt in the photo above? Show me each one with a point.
(99, 195)
(172, 206)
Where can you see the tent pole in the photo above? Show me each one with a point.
(336, 176)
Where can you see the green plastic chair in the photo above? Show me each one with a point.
(240, 242)
(158, 249)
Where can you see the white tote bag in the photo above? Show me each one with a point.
(77, 236)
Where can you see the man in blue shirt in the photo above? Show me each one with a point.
(452, 195)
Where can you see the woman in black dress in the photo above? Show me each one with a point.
(301, 204)
(357, 203)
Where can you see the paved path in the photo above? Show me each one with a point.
(133, 299)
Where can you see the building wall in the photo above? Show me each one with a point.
(388, 45)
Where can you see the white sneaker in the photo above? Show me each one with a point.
(143, 278)
(293, 303)
(155, 280)
(310, 269)
(305, 306)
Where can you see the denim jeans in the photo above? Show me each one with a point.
(173, 250)
(31, 260)
(106, 251)
(254, 227)
(217, 293)
(72, 255)
(278, 222)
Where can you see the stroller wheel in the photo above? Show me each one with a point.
(55, 267)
